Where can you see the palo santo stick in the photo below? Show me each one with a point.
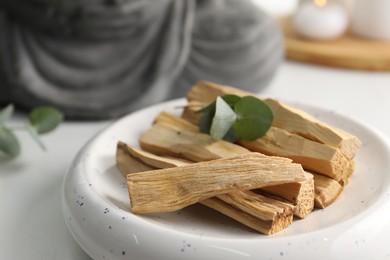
(326, 191)
(127, 163)
(174, 188)
(197, 147)
(261, 213)
(206, 92)
(179, 123)
(124, 152)
(312, 155)
(351, 169)
(189, 111)
(299, 122)
(300, 194)
(285, 117)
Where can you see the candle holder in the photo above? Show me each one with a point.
(320, 19)
(369, 52)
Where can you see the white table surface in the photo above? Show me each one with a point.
(31, 221)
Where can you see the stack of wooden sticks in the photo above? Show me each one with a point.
(299, 164)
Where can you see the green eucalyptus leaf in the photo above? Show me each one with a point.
(231, 136)
(206, 109)
(9, 144)
(45, 119)
(34, 135)
(5, 114)
(231, 100)
(205, 121)
(208, 113)
(231, 117)
(223, 119)
(254, 118)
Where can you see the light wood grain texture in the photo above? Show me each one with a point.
(300, 194)
(326, 191)
(127, 163)
(288, 118)
(197, 147)
(348, 51)
(312, 155)
(295, 134)
(124, 152)
(301, 123)
(261, 213)
(175, 188)
(171, 120)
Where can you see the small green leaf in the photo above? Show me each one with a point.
(205, 121)
(45, 119)
(34, 134)
(208, 113)
(223, 120)
(254, 118)
(232, 117)
(5, 114)
(206, 109)
(231, 100)
(231, 136)
(9, 144)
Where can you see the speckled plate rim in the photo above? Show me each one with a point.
(105, 229)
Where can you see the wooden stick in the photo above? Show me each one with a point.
(294, 129)
(326, 191)
(206, 92)
(124, 152)
(349, 171)
(312, 155)
(174, 188)
(286, 117)
(177, 122)
(300, 194)
(299, 122)
(263, 214)
(197, 147)
(127, 163)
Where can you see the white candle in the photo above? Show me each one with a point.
(320, 20)
(372, 19)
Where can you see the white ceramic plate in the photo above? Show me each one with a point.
(97, 212)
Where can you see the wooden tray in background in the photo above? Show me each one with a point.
(347, 51)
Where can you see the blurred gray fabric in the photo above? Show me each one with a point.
(102, 59)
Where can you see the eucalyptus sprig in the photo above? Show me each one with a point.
(41, 120)
(231, 117)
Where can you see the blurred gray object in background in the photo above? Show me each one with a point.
(102, 59)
